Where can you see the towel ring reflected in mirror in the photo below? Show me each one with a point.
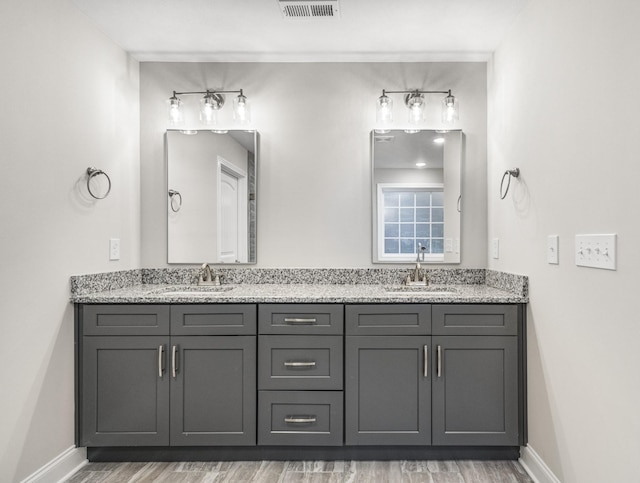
(175, 200)
(93, 173)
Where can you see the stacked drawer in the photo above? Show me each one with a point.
(300, 374)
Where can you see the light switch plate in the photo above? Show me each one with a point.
(552, 249)
(114, 249)
(596, 251)
(448, 245)
(495, 248)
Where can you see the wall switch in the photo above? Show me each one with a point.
(552, 249)
(495, 248)
(448, 245)
(596, 251)
(114, 249)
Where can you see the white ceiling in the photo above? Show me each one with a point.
(255, 30)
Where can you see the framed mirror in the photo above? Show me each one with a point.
(211, 196)
(416, 196)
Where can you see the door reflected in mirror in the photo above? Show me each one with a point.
(416, 196)
(212, 218)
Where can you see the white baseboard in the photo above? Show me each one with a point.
(536, 467)
(61, 467)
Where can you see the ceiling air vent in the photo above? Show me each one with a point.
(299, 9)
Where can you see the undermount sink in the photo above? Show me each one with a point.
(194, 290)
(419, 289)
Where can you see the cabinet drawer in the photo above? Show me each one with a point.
(301, 418)
(475, 319)
(320, 319)
(127, 319)
(213, 319)
(386, 319)
(300, 362)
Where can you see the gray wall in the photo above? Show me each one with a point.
(314, 207)
(69, 101)
(563, 107)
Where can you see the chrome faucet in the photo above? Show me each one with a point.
(206, 276)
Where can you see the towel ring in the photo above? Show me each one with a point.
(173, 194)
(515, 172)
(92, 173)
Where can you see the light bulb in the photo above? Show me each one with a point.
(208, 110)
(450, 109)
(241, 109)
(176, 114)
(384, 109)
(415, 102)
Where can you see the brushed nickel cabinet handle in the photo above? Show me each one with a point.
(300, 419)
(174, 368)
(439, 361)
(299, 364)
(160, 360)
(296, 320)
(426, 361)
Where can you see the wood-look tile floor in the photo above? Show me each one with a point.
(304, 472)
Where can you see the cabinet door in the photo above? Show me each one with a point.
(213, 393)
(475, 390)
(125, 391)
(387, 390)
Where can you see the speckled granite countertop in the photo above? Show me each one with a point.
(301, 293)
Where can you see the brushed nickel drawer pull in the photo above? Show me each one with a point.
(300, 364)
(160, 360)
(296, 320)
(300, 419)
(174, 351)
(439, 361)
(426, 361)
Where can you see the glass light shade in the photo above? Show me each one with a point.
(416, 104)
(384, 110)
(176, 112)
(208, 111)
(450, 109)
(241, 109)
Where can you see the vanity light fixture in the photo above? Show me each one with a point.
(416, 102)
(210, 104)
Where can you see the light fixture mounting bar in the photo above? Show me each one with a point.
(415, 91)
(208, 91)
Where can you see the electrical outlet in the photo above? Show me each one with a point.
(495, 248)
(552, 249)
(114, 249)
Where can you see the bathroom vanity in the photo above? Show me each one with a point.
(300, 371)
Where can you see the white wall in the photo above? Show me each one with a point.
(314, 198)
(563, 105)
(69, 100)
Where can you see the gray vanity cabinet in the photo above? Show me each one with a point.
(300, 374)
(124, 399)
(388, 375)
(140, 385)
(476, 393)
(213, 393)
